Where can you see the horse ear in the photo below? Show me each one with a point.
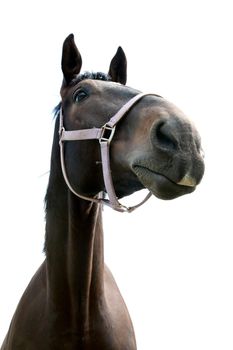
(118, 67)
(71, 60)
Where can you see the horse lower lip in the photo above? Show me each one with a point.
(161, 186)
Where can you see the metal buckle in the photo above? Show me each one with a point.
(60, 133)
(107, 133)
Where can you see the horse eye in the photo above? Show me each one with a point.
(79, 95)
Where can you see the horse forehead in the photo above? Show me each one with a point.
(106, 87)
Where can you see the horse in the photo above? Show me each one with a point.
(110, 140)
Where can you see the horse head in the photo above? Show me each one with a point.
(155, 146)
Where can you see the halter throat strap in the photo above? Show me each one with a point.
(104, 135)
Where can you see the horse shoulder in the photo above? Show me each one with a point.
(29, 321)
(121, 323)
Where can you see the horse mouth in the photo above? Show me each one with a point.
(160, 185)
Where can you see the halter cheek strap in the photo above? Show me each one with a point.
(104, 135)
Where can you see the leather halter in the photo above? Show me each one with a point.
(104, 135)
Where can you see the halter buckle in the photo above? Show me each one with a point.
(60, 133)
(107, 133)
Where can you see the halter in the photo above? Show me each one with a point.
(104, 135)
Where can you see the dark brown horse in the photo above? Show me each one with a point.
(73, 302)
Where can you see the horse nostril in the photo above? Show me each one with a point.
(164, 136)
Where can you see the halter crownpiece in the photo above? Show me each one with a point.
(104, 135)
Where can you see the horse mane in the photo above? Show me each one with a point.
(56, 110)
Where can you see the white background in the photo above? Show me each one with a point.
(172, 260)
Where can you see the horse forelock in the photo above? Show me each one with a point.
(90, 75)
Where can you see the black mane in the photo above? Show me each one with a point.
(91, 75)
(56, 110)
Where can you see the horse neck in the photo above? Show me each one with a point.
(74, 252)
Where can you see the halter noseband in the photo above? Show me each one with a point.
(104, 135)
